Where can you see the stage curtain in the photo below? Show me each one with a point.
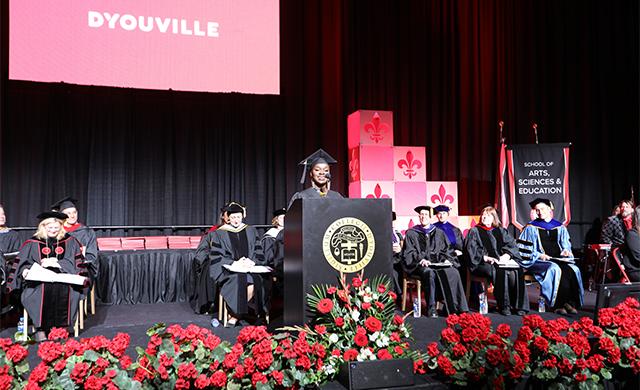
(449, 70)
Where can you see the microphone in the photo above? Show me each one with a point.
(327, 176)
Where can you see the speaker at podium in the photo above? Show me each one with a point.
(325, 238)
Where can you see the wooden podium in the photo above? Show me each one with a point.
(324, 237)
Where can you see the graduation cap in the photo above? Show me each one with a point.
(51, 214)
(440, 208)
(279, 212)
(234, 207)
(537, 201)
(64, 203)
(420, 208)
(315, 158)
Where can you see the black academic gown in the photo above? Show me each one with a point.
(273, 248)
(50, 304)
(509, 287)
(225, 249)
(207, 288)
(9, 241)
(397, 263)
(87, 238)
(631, 255)
(434, 247)
(313, 193)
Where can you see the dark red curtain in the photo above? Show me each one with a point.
(450, 70)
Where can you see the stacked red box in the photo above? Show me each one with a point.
(155, 242)
(109, 243)
(179, 242)
(132, 243)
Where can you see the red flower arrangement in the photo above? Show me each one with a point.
(93, 363)
(470, 352)
(13, 364)
(355, 321)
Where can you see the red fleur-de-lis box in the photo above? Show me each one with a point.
(408, 195)
(370, 162)
(371, 189)
(443, 192)
(409, 163)
(370, 127)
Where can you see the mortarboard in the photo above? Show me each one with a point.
(64, 203)
(440, 208)
(51, 214)
(420, 208)
(234, 207)
(279, 212)
(317, 157)
(537, 201)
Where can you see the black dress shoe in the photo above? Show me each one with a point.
(433, 313)
(561, 311)
(521, 313)
(570, 309)
(505, 311)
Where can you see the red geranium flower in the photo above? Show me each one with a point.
(350, 354)
(382, 288)
(356, 282)
(383, 354)
(339, 321)
(332, 290)
(361, 340)
(373, 324)
(504, 331)
(325, 305)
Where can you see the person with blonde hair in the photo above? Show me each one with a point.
(492, 253)
(49, 304)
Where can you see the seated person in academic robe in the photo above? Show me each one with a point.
(615, 227)
(397, 241)
(9, 239)
(631, 251)
(271, 241)
(454, 235)
(543, 245)
(428, 256)
(49, 304)
(488, 244)
(207, 289)
(317, 164)
(84, 234)
(238, 242)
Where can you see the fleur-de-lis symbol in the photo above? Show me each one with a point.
(376, 129)
(409, 165)
(472, 224)
(354, 165)
(411, 224)
(442, 197)
(377, 193)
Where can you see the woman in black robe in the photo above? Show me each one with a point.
(236, 242)
(428, 256)
(489, 248)
(631, 250)
(49, 304)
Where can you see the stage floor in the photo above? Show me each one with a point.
(136, 319)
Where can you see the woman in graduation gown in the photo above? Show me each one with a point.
(424, 246)
(320, 176)
(543, 244)
(49, 304)
(272, 246)
(238, 242)
(487, 244)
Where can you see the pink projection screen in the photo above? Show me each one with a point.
(186, 45)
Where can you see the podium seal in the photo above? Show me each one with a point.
(348, 245)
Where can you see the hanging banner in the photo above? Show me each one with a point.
(538, 171)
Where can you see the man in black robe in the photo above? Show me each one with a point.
(84, 234)
(236, 242)
(320, 175)
(9, 239)
(428, 256)
(49, 304)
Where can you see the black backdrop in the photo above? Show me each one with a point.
(450, 70)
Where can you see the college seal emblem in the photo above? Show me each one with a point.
(348, 245)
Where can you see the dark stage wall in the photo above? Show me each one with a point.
(450, 70)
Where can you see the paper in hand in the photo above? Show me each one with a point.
(39, 274)
(236, 266)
